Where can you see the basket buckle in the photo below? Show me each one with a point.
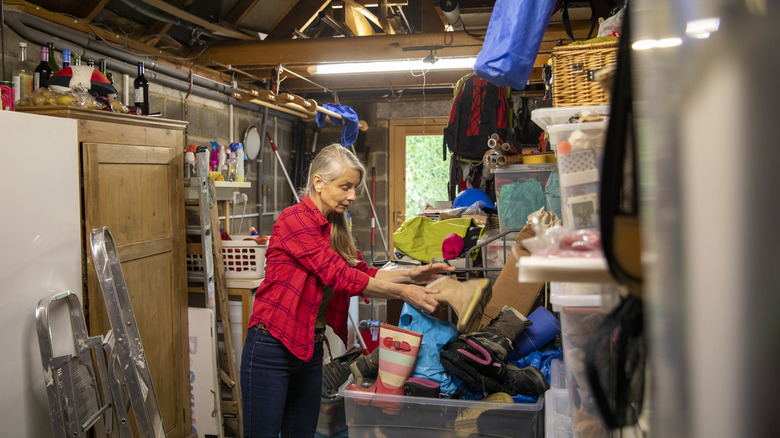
(592, 74)
(577, 67)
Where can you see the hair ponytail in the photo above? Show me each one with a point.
(330, 163)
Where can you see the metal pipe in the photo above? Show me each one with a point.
(39, 31)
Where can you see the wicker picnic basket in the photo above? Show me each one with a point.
(574, 70)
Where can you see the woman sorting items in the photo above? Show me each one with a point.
(312, 269)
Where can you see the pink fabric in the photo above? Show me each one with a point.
(452, 246)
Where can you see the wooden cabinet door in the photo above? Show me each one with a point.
(133, 190)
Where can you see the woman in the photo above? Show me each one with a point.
(312, 268)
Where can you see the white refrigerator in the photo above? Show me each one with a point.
(40, 254)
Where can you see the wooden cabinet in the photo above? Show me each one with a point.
(132, 182)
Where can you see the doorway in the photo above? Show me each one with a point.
(411, 184)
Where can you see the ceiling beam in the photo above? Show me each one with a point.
(304, 52)
(194, 19)
(305, 11)
(312, 51)
(239, 11)
(89, 9)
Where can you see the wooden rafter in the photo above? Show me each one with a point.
(305, 13)
(239, 11)
(176, 12)
(154, 32)
(87, 10)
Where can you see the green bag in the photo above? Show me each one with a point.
(421, 237)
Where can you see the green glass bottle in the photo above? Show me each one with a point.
(52, 62)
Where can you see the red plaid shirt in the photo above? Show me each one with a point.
(298, 263)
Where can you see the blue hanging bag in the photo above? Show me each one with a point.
(512, 41)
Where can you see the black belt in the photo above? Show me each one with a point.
(318, 337)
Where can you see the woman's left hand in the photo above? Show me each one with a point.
(427, 273)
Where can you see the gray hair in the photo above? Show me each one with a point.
(330, 163)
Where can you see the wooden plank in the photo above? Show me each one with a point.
(154, 32)
(239, 11)
(305, 13)
(313, 51)
(223, 306)
(176, 12)
(141, 250)
(88, 9)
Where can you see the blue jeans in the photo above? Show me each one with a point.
(281, 393)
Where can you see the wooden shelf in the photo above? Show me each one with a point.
(224, 189)
(567, 269)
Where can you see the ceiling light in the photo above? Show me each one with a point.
(393, 66)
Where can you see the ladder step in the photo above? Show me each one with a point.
(229, 407)
(226, 379)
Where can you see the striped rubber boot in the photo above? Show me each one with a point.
(398, 350)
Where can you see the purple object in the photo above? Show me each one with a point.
(544, 328)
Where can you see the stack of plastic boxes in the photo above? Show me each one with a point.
(579, 147)
(582, 307)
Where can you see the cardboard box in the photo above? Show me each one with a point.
(507, 290)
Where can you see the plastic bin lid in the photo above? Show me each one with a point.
(536, 167)
(544, 117)
(560, 300)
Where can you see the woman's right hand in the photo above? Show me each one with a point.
(420, 298)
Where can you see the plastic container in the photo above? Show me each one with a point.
(580, 316)
(331, 420)
(494, 255)
(557, 414)
(579, 171)
(544, 117)
(557, 373)
(524, 188)
(243, 259)
(435, 417)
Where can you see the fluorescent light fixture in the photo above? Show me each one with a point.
(656, 44)
(393, 66)
(643, 44)
(702, 28)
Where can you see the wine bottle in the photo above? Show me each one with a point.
(43, 70)
(141, 86)
(65, 58)
(102, 66)
(23, 74)
(52, 62)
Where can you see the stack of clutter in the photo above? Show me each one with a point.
(429, 375)
(582, 307)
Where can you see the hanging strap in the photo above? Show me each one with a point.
(567, 21)
(619, 203)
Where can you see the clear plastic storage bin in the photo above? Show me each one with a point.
(579, 170)
(435, 417)
(522, 189)
(580, 316)
(557, 413)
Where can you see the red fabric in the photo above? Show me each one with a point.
(299, 262)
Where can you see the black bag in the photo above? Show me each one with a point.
(527, 132)
(479, 110)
